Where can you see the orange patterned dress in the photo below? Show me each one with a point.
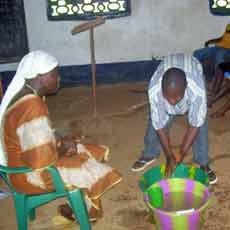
(29, 141)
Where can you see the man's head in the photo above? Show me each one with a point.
(173, 85)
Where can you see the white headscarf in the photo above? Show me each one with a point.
(31, 65)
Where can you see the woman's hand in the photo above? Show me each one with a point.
(67, 146)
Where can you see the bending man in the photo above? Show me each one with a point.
(176, 88)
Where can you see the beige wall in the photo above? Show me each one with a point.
(155, 28)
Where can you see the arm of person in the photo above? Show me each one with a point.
(165, 143)
(187, 142)
(221, 111)
(196, 117)
(159, 120)
(223, 92)
(35, 135)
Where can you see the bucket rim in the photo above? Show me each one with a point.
(175, 179)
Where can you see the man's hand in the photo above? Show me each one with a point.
(178, 157)
(170, 166)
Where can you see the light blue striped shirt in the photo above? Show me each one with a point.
(194, 101)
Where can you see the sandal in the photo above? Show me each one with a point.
(142, 163)
(65, 211)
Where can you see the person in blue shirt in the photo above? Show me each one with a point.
(224, 75)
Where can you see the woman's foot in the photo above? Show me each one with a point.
(65, 211)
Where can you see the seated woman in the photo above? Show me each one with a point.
(28, 139)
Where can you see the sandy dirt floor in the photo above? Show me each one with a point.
(121, 126)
